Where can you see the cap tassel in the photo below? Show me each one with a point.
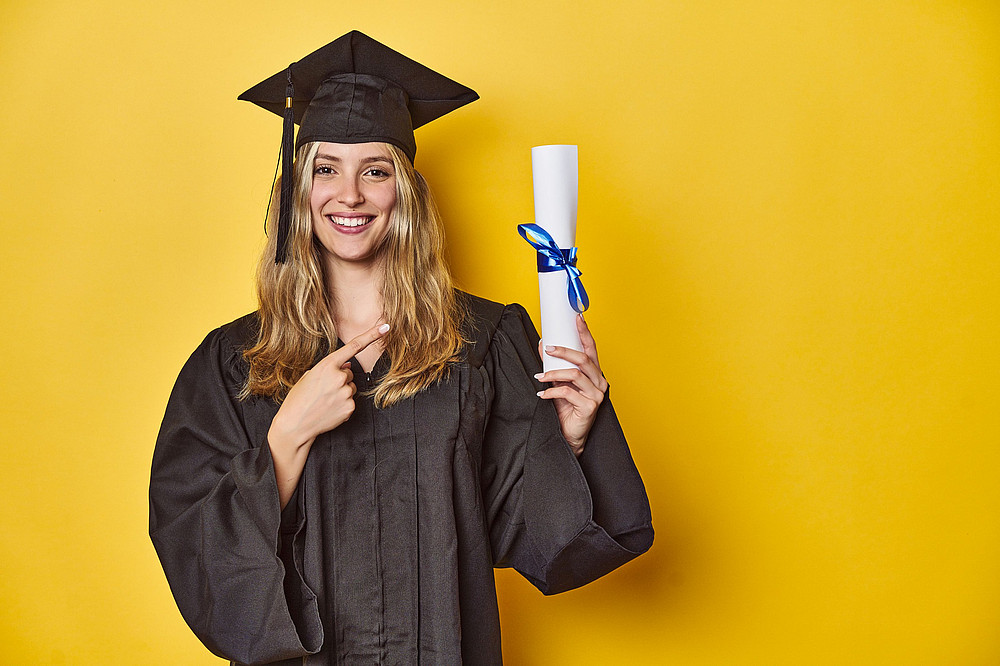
(287, 150)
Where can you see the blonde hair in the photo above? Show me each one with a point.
(296, 324)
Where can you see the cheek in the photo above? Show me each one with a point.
(389, 200)
(315, 198)
(315, 207)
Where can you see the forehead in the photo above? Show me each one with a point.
(350, 152)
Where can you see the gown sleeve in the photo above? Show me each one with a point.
(215, 519)
(560, 521)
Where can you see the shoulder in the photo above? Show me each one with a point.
(488, 322)
(481, 315)
(240, 334)
(221, 351)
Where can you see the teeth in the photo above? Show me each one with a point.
(350, 221)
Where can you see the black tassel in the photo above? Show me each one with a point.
(287, 150)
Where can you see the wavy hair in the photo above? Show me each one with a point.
(296, 322)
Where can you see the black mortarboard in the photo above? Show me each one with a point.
(353, 90)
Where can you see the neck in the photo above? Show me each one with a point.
(355, 294)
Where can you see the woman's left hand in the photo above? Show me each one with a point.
(576, 392)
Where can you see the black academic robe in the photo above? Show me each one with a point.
(385, 554)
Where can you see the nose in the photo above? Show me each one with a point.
(350, 193)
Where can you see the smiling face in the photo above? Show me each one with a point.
(353, 196)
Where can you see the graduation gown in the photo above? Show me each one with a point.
(385, 553)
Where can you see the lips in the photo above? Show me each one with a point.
(350, 222)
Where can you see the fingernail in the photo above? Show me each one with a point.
(539, 375)
(539, 394)
(549, 348)
(383, 328)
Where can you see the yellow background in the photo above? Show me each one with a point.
(789, 230)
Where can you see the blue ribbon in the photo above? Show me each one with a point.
(552, 258)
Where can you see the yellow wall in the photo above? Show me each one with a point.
(789, 229)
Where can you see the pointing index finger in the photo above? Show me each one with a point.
(358, 344)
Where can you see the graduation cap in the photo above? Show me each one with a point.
(353, 90)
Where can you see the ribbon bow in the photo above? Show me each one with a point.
(552, 258)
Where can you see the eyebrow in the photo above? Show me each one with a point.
(364, 160)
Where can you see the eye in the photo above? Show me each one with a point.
(378, 172)
(323, 170)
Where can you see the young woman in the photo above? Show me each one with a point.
(328, 502)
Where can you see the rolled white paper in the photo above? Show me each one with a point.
(554, 174)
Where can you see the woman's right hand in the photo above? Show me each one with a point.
(321, 400)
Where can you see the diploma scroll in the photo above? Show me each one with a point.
(554, 174)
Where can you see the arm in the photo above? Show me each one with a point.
(321, 400)
(560, 520)
(215, 519)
